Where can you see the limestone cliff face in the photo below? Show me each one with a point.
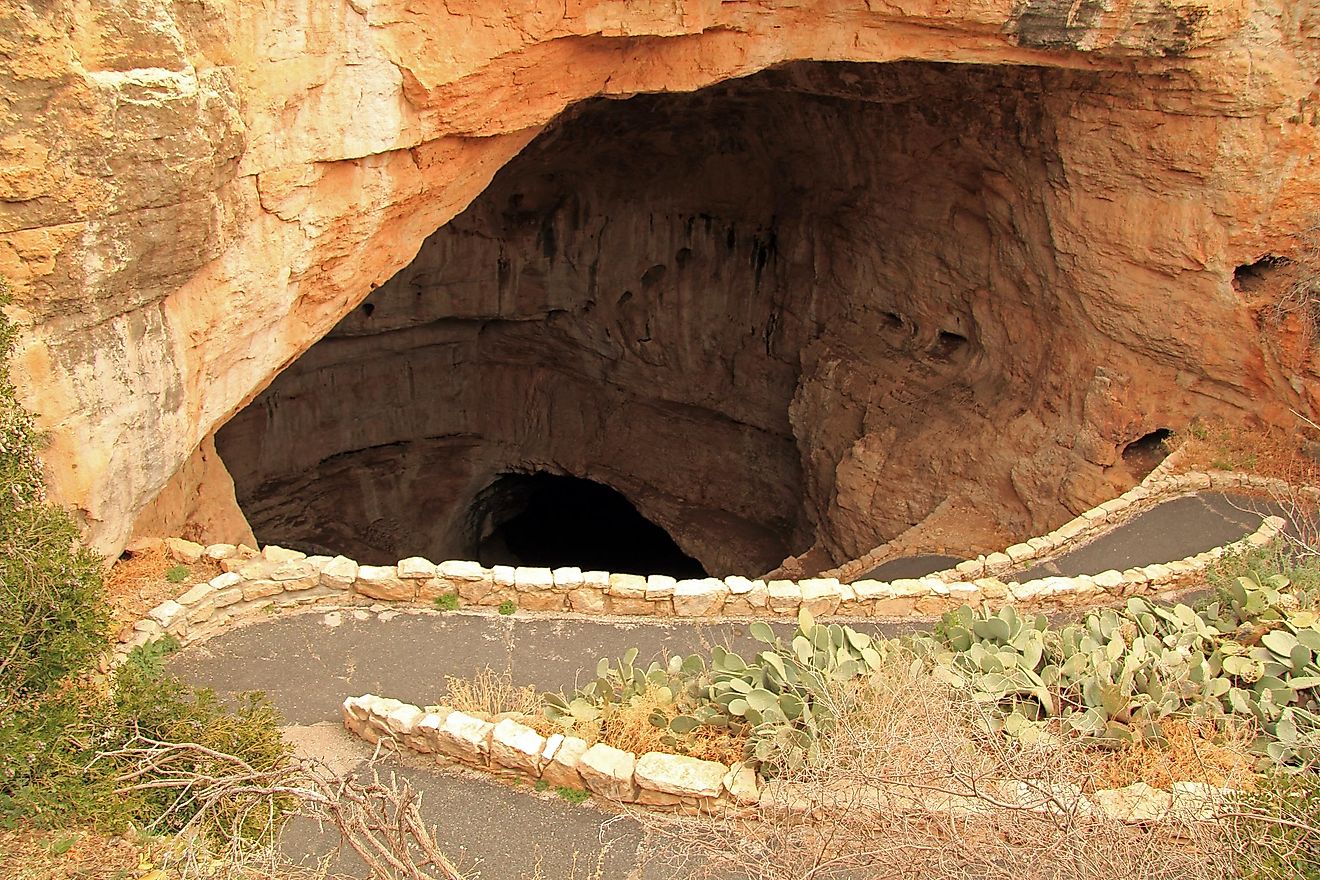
(1035, 244)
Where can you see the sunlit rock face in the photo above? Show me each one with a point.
(799, 310)
(985, 279)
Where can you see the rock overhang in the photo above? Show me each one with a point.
(143, 342)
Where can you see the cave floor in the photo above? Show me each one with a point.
(309, 662)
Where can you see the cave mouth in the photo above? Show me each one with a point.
(788, 317)
(1145, 453)
(550, 520)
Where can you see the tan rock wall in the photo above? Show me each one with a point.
(193, 193)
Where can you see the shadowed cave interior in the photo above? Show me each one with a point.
(550, 520)
(786, 316)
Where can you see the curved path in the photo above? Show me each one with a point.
(1171, 530)
(308, 663)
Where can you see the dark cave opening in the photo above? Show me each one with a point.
(1146, 452)
(549, 520)
(1250, 277)
(790, 314)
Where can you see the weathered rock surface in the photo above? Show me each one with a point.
(834, 295)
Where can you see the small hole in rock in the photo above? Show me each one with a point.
(1143, 454)
(1249, 277)
(653, 275)
(947, 344)
(368, 308)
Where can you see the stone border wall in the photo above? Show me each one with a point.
(257, 582)
(277, 578)
(508, 748)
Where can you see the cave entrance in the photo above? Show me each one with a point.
(788, 316)
(1145, 453)
(550, 520)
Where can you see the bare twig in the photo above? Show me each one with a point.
(224, 800)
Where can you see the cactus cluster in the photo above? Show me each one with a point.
(1116, 674)
(675, 682)
(774, 698)
(1113, 676)
(777, 698)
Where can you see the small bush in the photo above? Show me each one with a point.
(151, 705)
(572, 795)
(1280, 839)
(177, 574)
(53, 620)
(507, 607)
(1261, 563)
(446, 602)
(71, 745)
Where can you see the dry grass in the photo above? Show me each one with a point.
(1215, 753)
(580, 868)
(628, 727)
(139, 583)
(76, 854)
(1266, 451)
(490, 693)
(881, 804)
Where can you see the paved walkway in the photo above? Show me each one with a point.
(308, 666)
(308, 663)
(1172, 530)
(1181, 527)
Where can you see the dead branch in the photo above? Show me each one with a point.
(224, 801)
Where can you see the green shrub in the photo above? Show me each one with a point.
(446, 602)
(1282, 843)
(53, 619)
(46, 744)
(572, 795)
(66, 738)
(507, 607)
(149, 704)
(1262, 563)
(177, 574)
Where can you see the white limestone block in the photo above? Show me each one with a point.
(680, 775)
(274, 553)
(659, 586)
(166, 613)
(567, 578)
(383, 582)
(784, 596)
(464, 737)
(533, 580)
(415, 567)
(608, 772)
(564, 762)
(187, 552)
(217, 552)
(627, 586)
(196, 594)
(517, 747)
(339, 573)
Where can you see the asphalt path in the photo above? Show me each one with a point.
(1172, 530)
(308, 663)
